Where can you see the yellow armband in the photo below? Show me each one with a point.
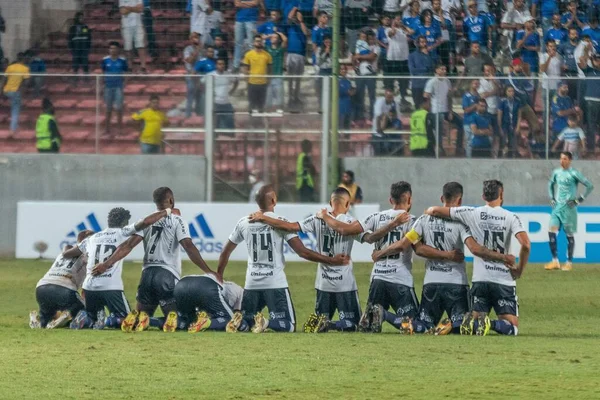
(413, 236)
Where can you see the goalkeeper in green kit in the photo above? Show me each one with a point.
(564, 199)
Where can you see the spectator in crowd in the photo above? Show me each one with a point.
(306, 9)
(547, 10)
(47, 136)
(421, 132)
(439, 90)
(386, 115)
(223, 110)
(221, 51)
(475, 61)
(274, 25)
(132, 29)
(325, 6)
(482, 131)
(318, 34)
(203, 66)
(419, 64)
(556, 32)
(444, 20)
(348, 183)
(257, 62)
(512, 21)
(80, 42)
(367, 68)
(572, 137)
(245, 24)
(2, 30)
(490, 32)
(412, 19)
(561, 107)
(509, 120)
(275, 92)
(382, 40)
(432, 33)
(37, 67)
(153, 122)
(574, 18)
(198, 20)
(12, 82)
(214, 19)
(296, 56)
(567, 51)
(592, 99)
(476, 28)
(257, 183)
(113, 66)
(324, 64)
(490, 89)
(585, 47)
(469, 105)
(272, 5)
(191, 54)
(356, 17)
(346, 91)
(396, 58)
(528, 41)
(593, 30)
(524, 90)
(305, 173)
(551, 68)
(148, 20)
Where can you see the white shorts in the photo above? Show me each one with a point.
(133, 35)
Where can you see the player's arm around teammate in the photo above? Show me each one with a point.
(355, 228)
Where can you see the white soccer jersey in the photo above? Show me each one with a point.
(493, 227)
(99, 248)
(66, 272)
(443, 235)
(265, 253)
(233, 294)
(329, 243)
(396, 268)
(161, 244)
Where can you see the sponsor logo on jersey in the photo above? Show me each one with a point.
(89, 223)
(485, 216)
(203, 236)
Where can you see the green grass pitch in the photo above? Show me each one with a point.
(556, 354)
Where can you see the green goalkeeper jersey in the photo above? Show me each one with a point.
(563, 185)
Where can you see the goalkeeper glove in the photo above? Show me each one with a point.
(580, 199)
(552, 203)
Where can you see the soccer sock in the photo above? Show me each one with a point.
(456, 327)
(504, 327)
(392, 319)
(280, 325)
(218, 324)
(570, 248)
(420, 326)
(344, 325)
(553, 248)
(156, 322)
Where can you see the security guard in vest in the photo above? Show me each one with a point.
(421, 132)
(305, 170)
(46, 130)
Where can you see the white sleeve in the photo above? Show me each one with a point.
(83, 246)
(239, 232)
(288, 235)
(233, 294)
(308, 224)
(581, 134)
(429, 86)
(181, 230)
(128, 230)
(368, 224)
(516, 226)
(465, 233)
(378, 108)
(466, 215)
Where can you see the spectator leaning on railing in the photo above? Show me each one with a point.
(12, 83)
(153, 122)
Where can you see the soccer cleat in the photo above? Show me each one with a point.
(100, 320)
(406, 326)
(376, 318)
(568, 266)
(171, 322)
(234, 324)
(552, 265)
(311, 323)
(483, 325)
(260, 323)
(129, 322)
(63, 319)
(364, 324)
(322, 324)
(34, 320)
(80, 321)
(443, 328)
(143, 322)
(466, 328)
(202, 323)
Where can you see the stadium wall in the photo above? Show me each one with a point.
(91, 178)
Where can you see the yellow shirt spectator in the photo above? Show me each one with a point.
(153, 123)
(257, 62)
(13, 82)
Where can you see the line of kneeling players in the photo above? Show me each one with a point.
(206, 302)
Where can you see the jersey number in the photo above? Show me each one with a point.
(266, 244)
(155, 236)
(103, 252)
(494, 241)
(392, 238)
(328, 245)
(439, 239)
(69, 263)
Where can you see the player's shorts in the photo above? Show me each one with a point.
(52, 298)
(114, 300)
(156, 288)
(346, 304)
(278, 302)
(438, 298)
(401, 298)
(113, 98)
(198, 293)
(133, 35)
(502, 298)
(566, 217)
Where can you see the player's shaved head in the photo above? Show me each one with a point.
(567, 154)
(163, 196)
(452, 191)
(401, 192)
(118, 217)
(266, 197)
(81, 236)
(340, 197)
(492, 189)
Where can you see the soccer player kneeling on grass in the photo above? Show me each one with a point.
(335, 284)
(103, 286)
(266, 283)
(446, 287)
(56, 293)
(203, 303)
(494, 283)
(162, 266)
